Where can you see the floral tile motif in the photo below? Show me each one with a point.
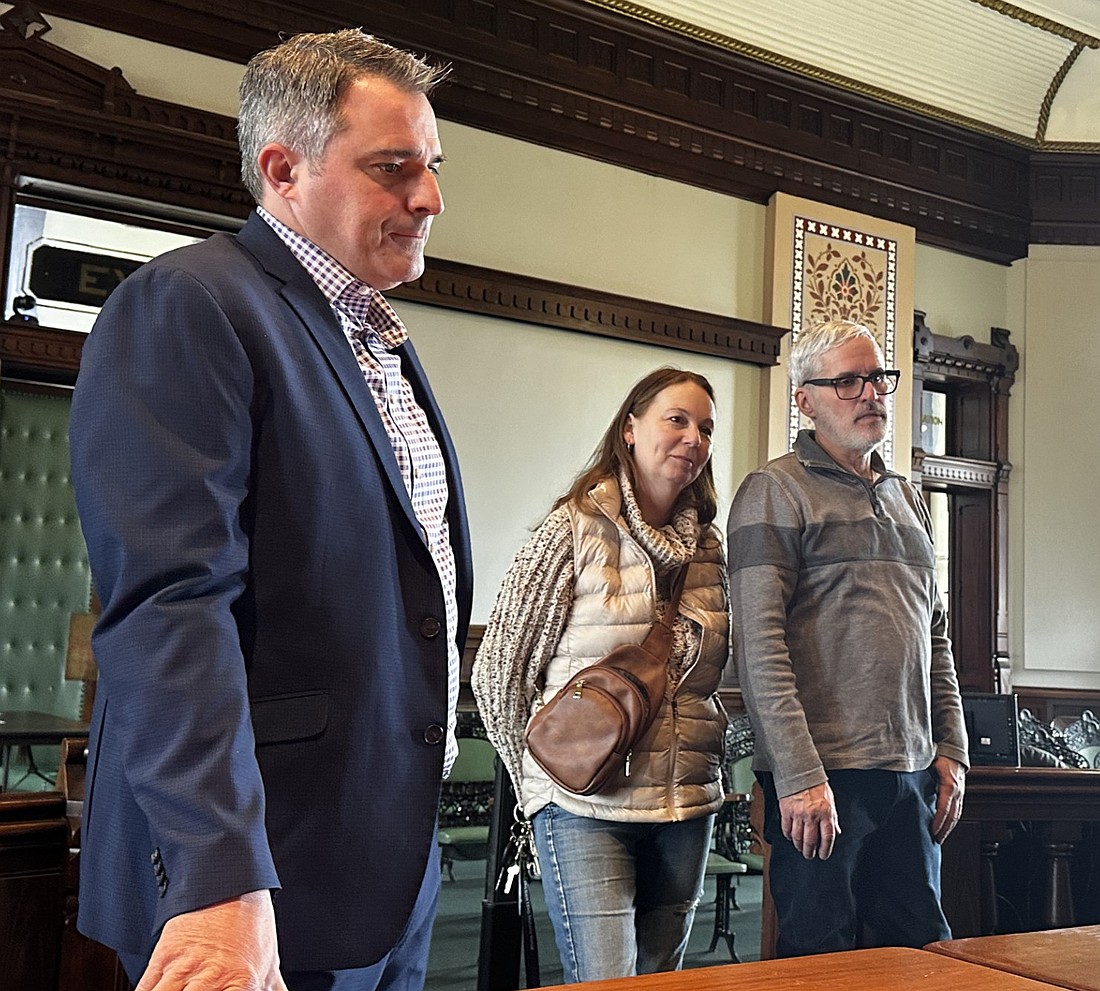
(841, 273)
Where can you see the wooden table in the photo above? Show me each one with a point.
(855, 970)
(24, 727)
(1068, 958)
(1062, 800)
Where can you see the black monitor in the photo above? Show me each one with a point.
(992, 728)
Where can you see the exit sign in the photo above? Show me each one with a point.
(67, 275)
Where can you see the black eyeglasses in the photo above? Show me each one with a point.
(851, 386)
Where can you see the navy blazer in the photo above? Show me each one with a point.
(272, 648)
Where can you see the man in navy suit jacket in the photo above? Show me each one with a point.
(275, 522)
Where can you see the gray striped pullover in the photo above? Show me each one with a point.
(839, 634)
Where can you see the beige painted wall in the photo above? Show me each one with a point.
(960, 295)
(523, 208)
(1055, 541)
(526, 404)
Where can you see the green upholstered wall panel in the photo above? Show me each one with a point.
(44, 574)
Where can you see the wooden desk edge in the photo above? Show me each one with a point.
(1009, 953)
(879, 969)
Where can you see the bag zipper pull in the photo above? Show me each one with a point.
(626, 765)
(578, 688)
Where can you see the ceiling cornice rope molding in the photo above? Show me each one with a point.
(809, 71)
(1042, 23)
(1052, 91)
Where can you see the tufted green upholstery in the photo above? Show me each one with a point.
(44, 573)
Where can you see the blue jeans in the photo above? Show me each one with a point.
(880, 887)
(621, 895)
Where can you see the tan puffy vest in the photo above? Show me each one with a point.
(674, 770)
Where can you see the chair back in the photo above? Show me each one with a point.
(1083, 737)
(43, 561)
(1040, 746)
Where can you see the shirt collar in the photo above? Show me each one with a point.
(362, 303)
(812, 455)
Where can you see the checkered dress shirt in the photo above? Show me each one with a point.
(373, 330)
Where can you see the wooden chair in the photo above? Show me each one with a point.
(727, 858)
(1083, 737)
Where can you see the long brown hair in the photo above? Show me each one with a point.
(611, 453)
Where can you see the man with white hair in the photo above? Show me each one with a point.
(845, 665)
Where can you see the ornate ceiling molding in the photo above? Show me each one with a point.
(1042, 23)
(808, 71)
(586, 79)
(68, 120)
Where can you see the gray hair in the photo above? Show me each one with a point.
(814, 341)
(292, 93)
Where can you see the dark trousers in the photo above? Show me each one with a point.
(880, 887)
(404, 967)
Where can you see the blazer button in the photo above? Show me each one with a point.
(434, 734)
(430, 627)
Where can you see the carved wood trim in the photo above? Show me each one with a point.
(1065, 198)
(41, 353)
(1047, 704)
(49, 354)
(978, 378)
(584, 79)
(961, 472)
(68, 120)
(963, 358)
(552, 304)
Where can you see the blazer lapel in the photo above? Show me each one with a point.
(313, 310)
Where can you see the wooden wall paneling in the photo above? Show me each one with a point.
(971, 601)
(978, 379)
(1046, 704)
(1065, 198)
(34, 841)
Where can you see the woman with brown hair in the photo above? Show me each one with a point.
(622, 869)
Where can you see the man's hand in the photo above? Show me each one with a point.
(230, 946)
(810, 822)
(949, 796)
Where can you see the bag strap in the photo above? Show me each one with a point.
(530, 936)
(658, 640)
(674, 597)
